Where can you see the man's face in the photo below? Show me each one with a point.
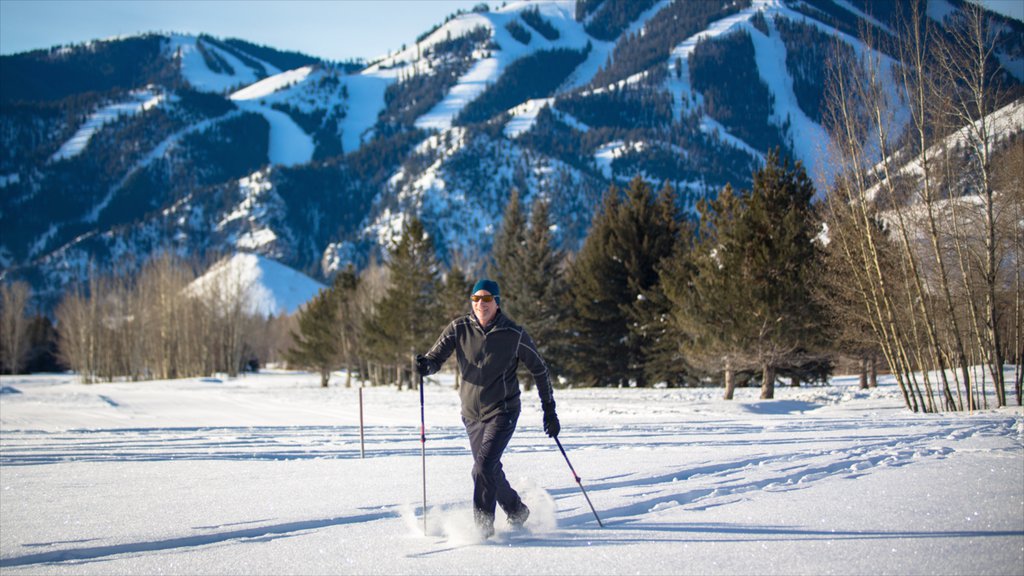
(484, 306)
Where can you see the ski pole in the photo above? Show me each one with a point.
(423, 455)
(578, 482)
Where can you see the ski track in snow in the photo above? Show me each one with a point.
(270, 466)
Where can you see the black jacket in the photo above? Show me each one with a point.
(488, 359)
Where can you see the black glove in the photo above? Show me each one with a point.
(551, 425)
(423, 366)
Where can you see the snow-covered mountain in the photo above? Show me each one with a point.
(115, 149)
(264, 286)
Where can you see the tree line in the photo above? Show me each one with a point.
(910, 268)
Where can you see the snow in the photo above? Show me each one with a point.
(8, 179)
(846, 5)
(138, 101)
(194, 69)
(263, 474)
(939, 10)
(268, 86)
(268, 286)
(709, 125)
(607, 153)
(525, 115)
(289, 144)
(1007, 120)
(809, 140)
(482, 74)
(486, 71)
(365, 103)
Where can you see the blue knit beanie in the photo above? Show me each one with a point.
(490, 286)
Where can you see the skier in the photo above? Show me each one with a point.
(489, 347)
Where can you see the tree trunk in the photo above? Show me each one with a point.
(325, 376)
(768, 383)
(730, 382)
(863, 373)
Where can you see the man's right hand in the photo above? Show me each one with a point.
(551, 425)
(423, 367)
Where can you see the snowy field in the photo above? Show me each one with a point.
(263, 475)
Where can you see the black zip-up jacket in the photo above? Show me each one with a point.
(488, 359)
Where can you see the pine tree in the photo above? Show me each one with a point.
(408, 318)
(540, 308)
(596, 326)
(455, 293)
(344, 289)
(509, 257)
(664, 342)
(646, 229)
(531, 279)
(613, 273)
(316, 344)
(743, 299)
(455, 300)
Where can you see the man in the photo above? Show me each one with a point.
(488, 347)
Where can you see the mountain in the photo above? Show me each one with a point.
(114, 150)
(266, 287)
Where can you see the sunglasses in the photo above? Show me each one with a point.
(487, 298)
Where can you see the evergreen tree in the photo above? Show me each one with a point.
(542, 285)
(614, 273)
(531, 279)
(316, 343)
(509, 255)
(663, 341)
(596, 284)
(408, 318)
(646, 230)
(455, 300)
(744, 299)
(344, 288)
(455, 293)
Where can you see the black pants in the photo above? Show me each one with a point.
(488, 440)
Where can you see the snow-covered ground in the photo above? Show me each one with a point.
(263, 475)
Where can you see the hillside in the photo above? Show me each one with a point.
(115, 149)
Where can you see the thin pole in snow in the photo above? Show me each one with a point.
(362, 445)
(423, 455)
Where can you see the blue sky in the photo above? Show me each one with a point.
(332, 29)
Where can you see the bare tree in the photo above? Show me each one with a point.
(909, 200)
(967, 64)
(14, 299)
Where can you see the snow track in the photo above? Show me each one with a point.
(263, 475)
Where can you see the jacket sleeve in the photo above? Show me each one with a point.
(443, 348)
(529, 356)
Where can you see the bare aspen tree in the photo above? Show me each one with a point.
(373, 284)
(966, 63)
(859, 245)
(228, 299)
(14, 299)
(73, 332)
(926, 196)
(921, 89)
